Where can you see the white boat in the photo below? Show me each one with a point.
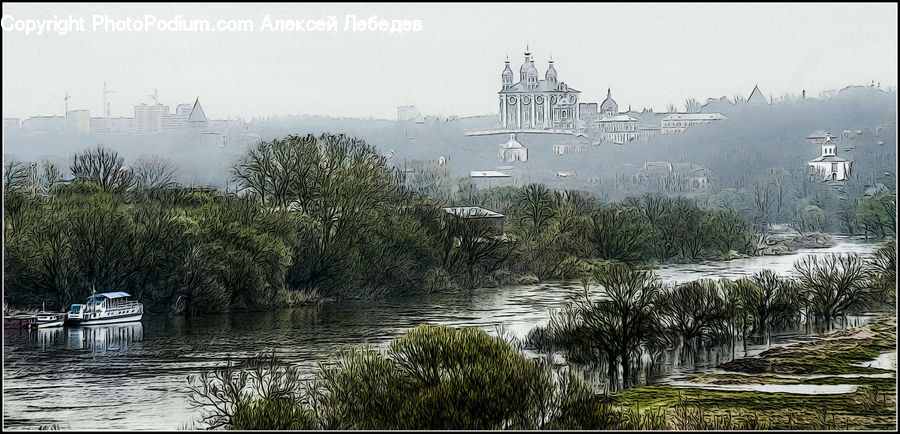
(49, 319)
(106, 308)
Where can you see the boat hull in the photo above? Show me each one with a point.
(110, 320)
(47, 325)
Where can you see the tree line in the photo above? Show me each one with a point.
(636, 317)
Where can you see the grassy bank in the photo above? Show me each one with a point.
(870, 406)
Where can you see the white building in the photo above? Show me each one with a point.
(119, 125)
(78, 122)
(513, 151)
(487, 178)
(407, 113)
(830, 167)
(678, 122)
(45, 124)
(534, 104)
(148, 119)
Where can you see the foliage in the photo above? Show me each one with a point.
(431, 377)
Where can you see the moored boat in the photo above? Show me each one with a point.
(49, 319)
(106, 308)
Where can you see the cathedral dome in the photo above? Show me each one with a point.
(507, 76)
(550, 76)
(609, 105)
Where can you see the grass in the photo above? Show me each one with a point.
(837, 353)
(871, 406)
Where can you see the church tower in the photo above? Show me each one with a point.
(550, 76)
(506, 79)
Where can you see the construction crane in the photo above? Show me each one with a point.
(66, 99)
(155, 96)
(106, 91)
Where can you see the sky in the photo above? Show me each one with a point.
(650, 55)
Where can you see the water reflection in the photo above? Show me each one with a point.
(103, 338)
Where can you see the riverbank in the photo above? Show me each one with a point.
(851, 362)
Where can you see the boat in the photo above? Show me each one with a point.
(49, 320)
(106, 308)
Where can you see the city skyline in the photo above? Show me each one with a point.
(650, 55)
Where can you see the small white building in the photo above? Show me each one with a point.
(512, 151)
(678, 122)
(830, 167)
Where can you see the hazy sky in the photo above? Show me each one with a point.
(649, 54)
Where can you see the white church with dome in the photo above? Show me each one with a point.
(535, 104)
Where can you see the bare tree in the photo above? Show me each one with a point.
(154, 173)
(15, 173)
(691, 105)
(105, 168)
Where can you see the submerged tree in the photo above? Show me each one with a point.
(624, 318)
(833, 284)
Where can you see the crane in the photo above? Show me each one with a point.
(106, 91)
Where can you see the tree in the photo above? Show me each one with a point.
(473, 246)
(833, 284)
(15, 173)
(771, 301)
(621, 321)
(882, 271)
(103, 167)
(154, 174)
(536, 208)
(691, 105)
(691, 312)
(877, 215)
(621, 233)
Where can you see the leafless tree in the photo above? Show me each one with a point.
(154, 173)
(104, 167)
(15, 173)
(691, 105)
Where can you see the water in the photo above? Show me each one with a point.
(133, 376)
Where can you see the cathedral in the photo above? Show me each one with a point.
(534, 104)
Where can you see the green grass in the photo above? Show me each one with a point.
(871, 406)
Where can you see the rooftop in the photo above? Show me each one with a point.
(487, 174)
(117, 294)
(472, 212)
(694, 117)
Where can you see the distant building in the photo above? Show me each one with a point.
(486, 178)
(44, 125)
(678, 122)
(830, 167)
(196, 119)
(756, 97)
(78, 122)
(534, 104)
(407, 113)
(475, 213)
(119, 125)
(819, 137)
(156, 118)
(148, 119)
(570, 148)
(512, 151)
(588, 111)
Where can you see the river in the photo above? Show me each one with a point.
(133, 376)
